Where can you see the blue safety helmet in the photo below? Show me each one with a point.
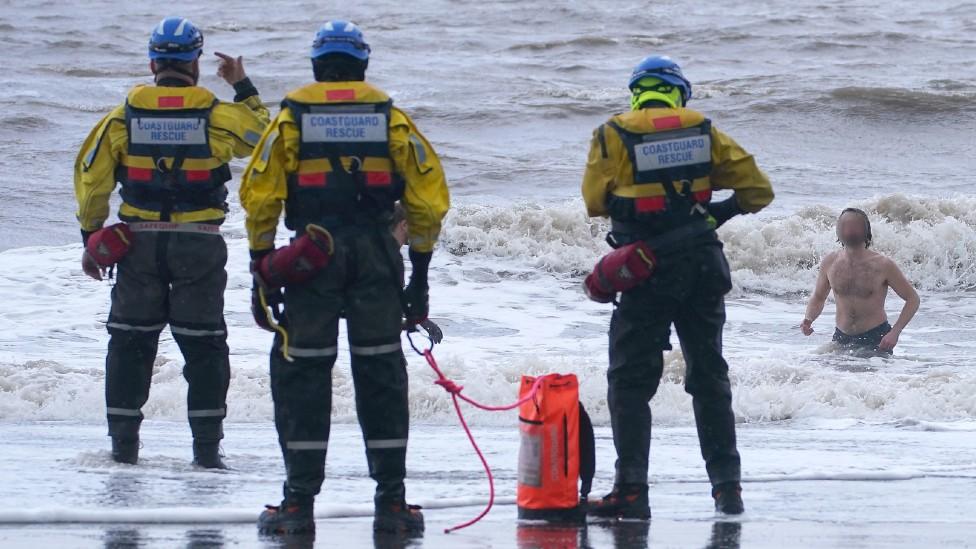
(176, 38)
(339, 36)
(664, 68)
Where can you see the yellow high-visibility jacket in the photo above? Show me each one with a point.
(233, 131)
(610, 170)
(264, 188)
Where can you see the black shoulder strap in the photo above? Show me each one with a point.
(587, 452)
(601, 135)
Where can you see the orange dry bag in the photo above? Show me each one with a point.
(556, 452)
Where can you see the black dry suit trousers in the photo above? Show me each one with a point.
(363, 281)
(687, 290)
(177, 279)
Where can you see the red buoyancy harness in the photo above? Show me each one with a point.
(556, 455)
(297, 262)
(109, 245)
(620, 270)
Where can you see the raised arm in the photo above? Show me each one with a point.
(897, 281)
(231, 69)
(820, 292)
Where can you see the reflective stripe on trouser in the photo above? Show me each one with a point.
(687, 290)
(216, 412)
(298, 445)
(125, 327)
(386, 444)
(359, 283)
(123, 412)
(177, 278)
(372, 350)
(321, 352)
(196, 332)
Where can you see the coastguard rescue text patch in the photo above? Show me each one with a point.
(168, 131)
(343, 127)
(673, 153)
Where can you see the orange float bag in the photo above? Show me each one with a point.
(556, 454)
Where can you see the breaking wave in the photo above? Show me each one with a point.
(933, 240)
(765, 388)
(56, 372)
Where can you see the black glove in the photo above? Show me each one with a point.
(272, 297)
(417, 303)
(724, 210)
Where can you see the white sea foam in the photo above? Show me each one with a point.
(932, 239)
(506, 287)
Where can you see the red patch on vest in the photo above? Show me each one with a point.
(197, 175)
(139, 174)
(170, 102)
(703, 196)
(316, 179)
(340, 95)
(649, 204)
(378, 179)
(667, 123)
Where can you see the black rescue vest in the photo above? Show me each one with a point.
(178, 134)
(323, 191)
(673, 160)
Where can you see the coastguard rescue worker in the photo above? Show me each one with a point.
(652, 171)
(168, 146)
(339, 156)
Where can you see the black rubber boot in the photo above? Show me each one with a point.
(125, 440)
(728, 498)
(392, 513)
(206, 454)
(626, 501)
(398, 518)
(293, 517)
(125, 450)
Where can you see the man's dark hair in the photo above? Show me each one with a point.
(867, 224)
(339, 67)
(175, 65)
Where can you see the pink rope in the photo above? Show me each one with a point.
(455, 390)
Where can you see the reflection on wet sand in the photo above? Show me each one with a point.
(623, 534)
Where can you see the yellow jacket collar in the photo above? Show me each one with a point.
(658, 119)
(164, 97)
(338, 92)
